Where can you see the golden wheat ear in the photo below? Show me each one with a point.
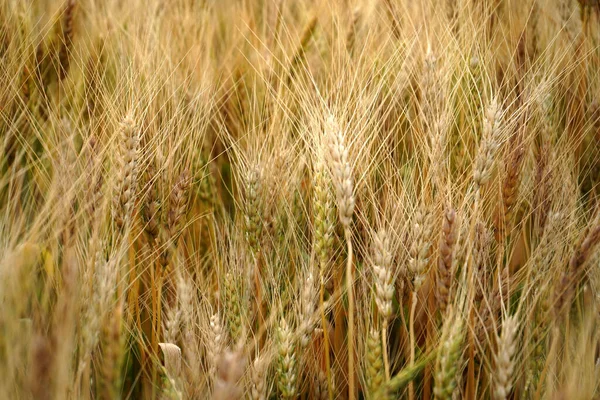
(126, 172)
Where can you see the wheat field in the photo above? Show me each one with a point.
(315, 199)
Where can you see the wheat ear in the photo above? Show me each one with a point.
(374, 368)
(323, 242)
(448, 358)
(344, 186)
(445, 269)
(504, 358)
(286, 369)
(230, 369)
(126, 184)
(484, 162)
(384, 287)
(258, 389)
(417, 264)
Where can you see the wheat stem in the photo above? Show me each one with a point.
(350, 290)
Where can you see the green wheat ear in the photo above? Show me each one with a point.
(234, 313)
(375, 375)
(286, 369)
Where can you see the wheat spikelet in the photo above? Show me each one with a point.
(206, 184)
(175, 314)
(178, 202)
(490, 307)
(101, 285)
(374, 363)
(445, 260)
(258, 389)
(216, 340)
(432, 103)
(382, 272)
(286, 368)
(151, 211)
(320, 386)
(341, 172)
(419, 248)
(66, 39)
(172, 324)
(417, 265)
(504, 358)
(484, 162)
(307, 314)
(252, 217)
(112, 357)
(568, 284)
(230, 368)
(510, 188)
(538, 356)
(323, 215)
(233, 313)
(448, 357)
(188, 335)
(384, 286)
(127, 165)
(483, 239)
(344, 186)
